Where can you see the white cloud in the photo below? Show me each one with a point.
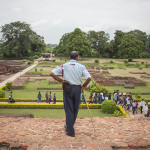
(57, 22)
(39, 23)
(17, 10)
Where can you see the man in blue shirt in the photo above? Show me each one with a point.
(72, 72)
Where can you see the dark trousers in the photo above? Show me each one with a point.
(141, 109)
(71, 106)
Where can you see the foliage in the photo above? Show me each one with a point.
(9, 85)
(97, 61)
(18, 40)
(138, 96)
(54, 60)
(99, 41)
(2, 94)
(36, 57)
(130, 47)
(99, 89)
(108, 106)
(117, 113)
(91, 85)
(76, 40)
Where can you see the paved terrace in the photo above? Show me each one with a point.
(49, 134)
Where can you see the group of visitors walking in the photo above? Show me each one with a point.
(48, 97)
(127, 102)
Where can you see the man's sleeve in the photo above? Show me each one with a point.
(57, 70)
(85, 73)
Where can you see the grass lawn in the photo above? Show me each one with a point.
(55, 113)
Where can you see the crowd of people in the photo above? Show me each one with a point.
(48, 97)
(123, 99)
(127, 102)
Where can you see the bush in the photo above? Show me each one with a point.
(99, 89)
(2, 94)
(108, 106)
(125, 62)
(9, 85)
(111, 62)
(96, 61)
(29, 63)
(142, 62)
(36, 57)
(138, 96)
(54, 60)
(117, 113)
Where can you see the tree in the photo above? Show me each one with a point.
(76, 40)
(99, 41)
(19, 40)
(116, 42)
(140, 35)
(9, 85)
(130, 47)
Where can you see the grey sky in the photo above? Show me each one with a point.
(53, 18)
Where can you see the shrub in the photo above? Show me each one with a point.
(9, 85)
(36, 57)
(54, 60)
(125, 62)
(96, 61)
(111, 62)
(138, 96)
(117, 113)
(108, 106)
(142, 62)
(2, 94)
(99, 89)
(29, 63)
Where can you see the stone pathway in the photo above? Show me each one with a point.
(49, 134)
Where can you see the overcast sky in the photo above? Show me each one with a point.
(53, 18)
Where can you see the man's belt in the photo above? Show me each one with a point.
(79, 86)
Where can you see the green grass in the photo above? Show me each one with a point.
(55, 113)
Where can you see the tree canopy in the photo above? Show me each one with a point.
(76, 40)
(130, 47)
(18, 40)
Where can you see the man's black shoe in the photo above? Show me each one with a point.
(72, 135)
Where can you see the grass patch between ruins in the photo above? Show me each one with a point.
(55, 113)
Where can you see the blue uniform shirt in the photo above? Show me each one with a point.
(72, 72)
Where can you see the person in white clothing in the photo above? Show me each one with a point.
(142, 103)
(145, 110)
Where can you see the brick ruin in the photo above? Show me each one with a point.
(103, 77)
(11, 66)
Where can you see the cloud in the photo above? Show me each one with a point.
(39, 23)
(57, 22)
(17, 10)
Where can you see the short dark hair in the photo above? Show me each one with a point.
(74, 55)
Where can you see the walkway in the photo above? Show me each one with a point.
(49, 134)
(15, 76)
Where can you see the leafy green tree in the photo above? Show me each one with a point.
(99, 41)
(76, 40)
(140, 35)
(19, 40)
(147, 45)
(116, 42)
(9, 85)
(130, 47)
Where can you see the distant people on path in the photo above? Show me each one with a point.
(133, 107)
(54, 98)
(39, 97)
(137, 104)
(47, 97)
(83, 99)
(115, 97)
(145, 110)
(142, 103)
(90, 98)
(11, 99)
(50, 97)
